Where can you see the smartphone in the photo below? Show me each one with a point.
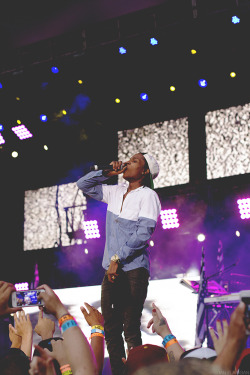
(26, 298)
(245, 297)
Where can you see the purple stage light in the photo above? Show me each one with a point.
(22, 132)
(91, 229)
(169, 219)
(2, 141)
(244, 208)
(22, 286)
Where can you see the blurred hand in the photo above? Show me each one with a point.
(117, 169)
(23, 324)
(111, 272)
(222, 332)
(52, 304)
(42, 365)
(45, 327)
(58, 352)
(159, 323)
(15, 339)
(93, 317)
(237, 328)
(5, 291)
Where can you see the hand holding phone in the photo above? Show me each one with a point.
(245, 297)
(26, 298)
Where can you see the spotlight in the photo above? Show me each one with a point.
(22, 132)
(202, 83)
(151, 243)
(193, 51)
(244, 208)
(86, 251)
(17, 98)
(237, 233)
(2, 141)
(1, 127)
(153, 41)
(233, 74)
(144, 96)
(1, 86)
(45, 147)
(14, 154)
(201, 237)
(169, 219)
(43, 118)
(54, 69)
(172, 88)
(235, 19)
(117, 100)
(64, 112)
(18, 122)
(122, 50)
(91, 229)
(80, 81)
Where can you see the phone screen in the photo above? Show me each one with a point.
(27, 298)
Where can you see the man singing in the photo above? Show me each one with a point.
(132, 214)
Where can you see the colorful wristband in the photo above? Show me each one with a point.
(168, 338)
(67, 372)
(96, 334)
(98, 327)
(171, 342)
(68, 324)
(65, 367)
(64, 318)
(97, 330)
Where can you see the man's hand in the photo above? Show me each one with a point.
(222, 331)
(111, 272)
(93, 317)
(116, 169)
(52, 303)
(45, 327)
(159, 323)
(5, 291)
(42, 365)
(24, 329)
(15, 339)
(58, 352)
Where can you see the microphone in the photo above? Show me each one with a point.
(104, 167)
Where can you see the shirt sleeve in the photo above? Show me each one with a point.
(145, 227)
(92, 185)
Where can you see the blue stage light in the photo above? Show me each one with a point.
(144, 96)
(202, 83)
(1, 86)
(54, 69)
(43, 118)
(1, 127)
(153, 41)
(122, 50)
(235, 19)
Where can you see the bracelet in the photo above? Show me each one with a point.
(97, 330)
(96, 334)
(67, 372)
(171, 342)
(68, 324)
(65, 367)
(98, 327)
(64, 318)
(168, 338)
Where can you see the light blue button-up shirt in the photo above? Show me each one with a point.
(129, 223)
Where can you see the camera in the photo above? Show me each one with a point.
(245, 297)
(26, 298)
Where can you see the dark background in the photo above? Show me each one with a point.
(82, 39)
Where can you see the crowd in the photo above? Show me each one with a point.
(73, 353)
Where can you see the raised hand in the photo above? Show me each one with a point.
(45, 327)
(42, 365)
(158, 322)
(52, 304)
(92, 317)
(222, 332)
(15, 339)
(24, 329)
(5, 292)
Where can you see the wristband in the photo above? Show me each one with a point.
(65, 368)
(68, 324)
(64, 318)
(97, 330)
(168, 338)
(96, 334)
(171, 342)
(98, 327)
(67, 372)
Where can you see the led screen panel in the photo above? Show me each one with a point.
(45, 215)
(167, 141)
(228, 141)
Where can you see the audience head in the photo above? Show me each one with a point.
(15, 363)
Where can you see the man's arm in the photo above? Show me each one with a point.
(91, 184)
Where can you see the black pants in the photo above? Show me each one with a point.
(122, 304)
